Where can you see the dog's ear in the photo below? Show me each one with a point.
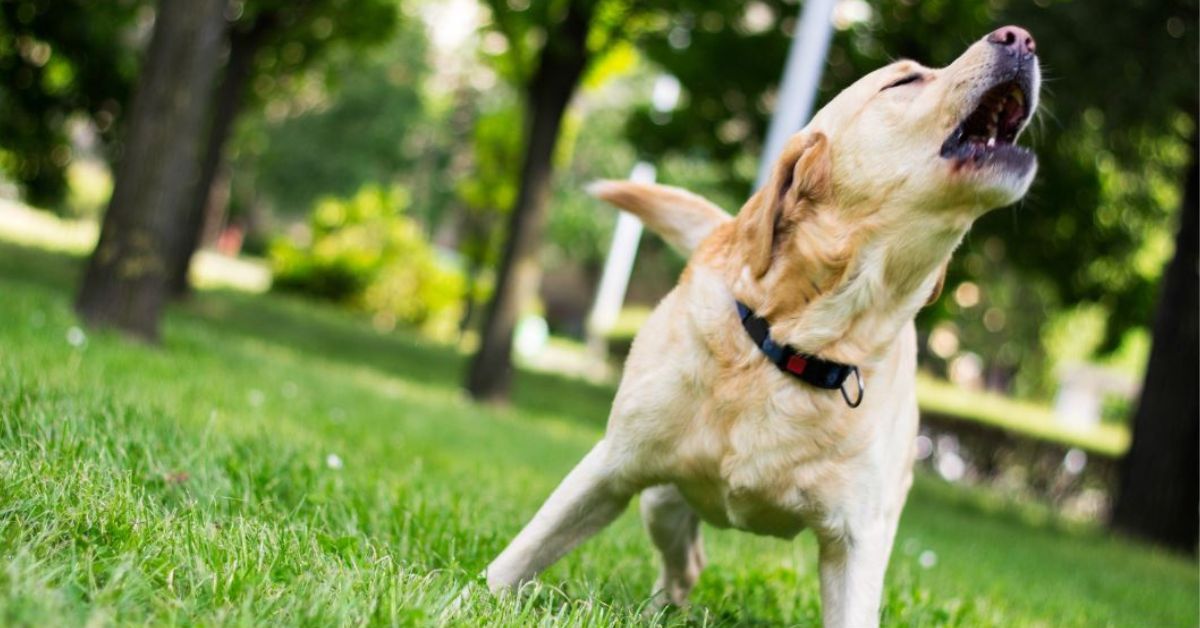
(800, 180)
(937, 287)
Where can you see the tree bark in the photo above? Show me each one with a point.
(125, 284)
(1159, 494)
(244, 45)
(474, 266)
(562, 61)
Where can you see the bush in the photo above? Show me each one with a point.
(365, 253)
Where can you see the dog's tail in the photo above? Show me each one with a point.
(682, 219)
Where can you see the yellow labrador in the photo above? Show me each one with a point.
(773, 388)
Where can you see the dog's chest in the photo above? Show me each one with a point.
(768, 465)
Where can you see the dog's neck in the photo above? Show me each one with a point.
(846, 293)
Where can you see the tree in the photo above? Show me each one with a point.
(61, 59)
(560, 64)
(485, 196)
(125, 284)
(291, 36)
(1159, 491)
(245, 39)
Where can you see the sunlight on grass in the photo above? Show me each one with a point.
(1018, 416)
(31, 227)
(26, 226)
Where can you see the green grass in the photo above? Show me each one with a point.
(193, 483)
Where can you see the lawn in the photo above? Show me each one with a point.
(278, 462)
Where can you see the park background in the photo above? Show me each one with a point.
(336, 343)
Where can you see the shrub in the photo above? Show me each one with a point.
(365, 253)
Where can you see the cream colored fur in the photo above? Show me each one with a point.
(681, 218)
(839, 252)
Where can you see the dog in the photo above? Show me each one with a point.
(773, 389)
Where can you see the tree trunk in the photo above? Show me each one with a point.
(216, 211)
(227, 102)
(1159, 494)
(472, 284)
(125, 284)
(472, 241)
(561, 64)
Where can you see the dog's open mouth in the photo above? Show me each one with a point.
(988, 134)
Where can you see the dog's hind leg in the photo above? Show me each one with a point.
(675, 529)
(588, 499)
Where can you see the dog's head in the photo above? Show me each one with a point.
(913, 143)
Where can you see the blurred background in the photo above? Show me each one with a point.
(421, 164)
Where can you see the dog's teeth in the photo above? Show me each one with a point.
(991, 143)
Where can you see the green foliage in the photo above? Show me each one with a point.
(365, 253)
(1158, 74)
(497, 144)
(589, 148)
(580, 227)
(522, 30)
(726, 71)
(211, 497)
(60, 59)
(298, 35)
(487, 194)
(65, 60)
(512, 47)
(349, 120)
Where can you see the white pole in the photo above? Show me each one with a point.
(801, 75)
(610, 295)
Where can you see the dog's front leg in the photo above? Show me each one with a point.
(855, 557)
(852, 569)
(588, 499)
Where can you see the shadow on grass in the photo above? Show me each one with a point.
(47, 269)
(322, 330)
(329, 332)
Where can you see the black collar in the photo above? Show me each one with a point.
(808, 368)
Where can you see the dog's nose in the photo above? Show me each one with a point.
(1013, 38)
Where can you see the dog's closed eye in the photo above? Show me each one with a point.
(911, 78)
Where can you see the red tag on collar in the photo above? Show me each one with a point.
(796, 364)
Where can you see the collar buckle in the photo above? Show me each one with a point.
(861, 388)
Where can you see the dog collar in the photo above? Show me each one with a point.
(808, 368)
